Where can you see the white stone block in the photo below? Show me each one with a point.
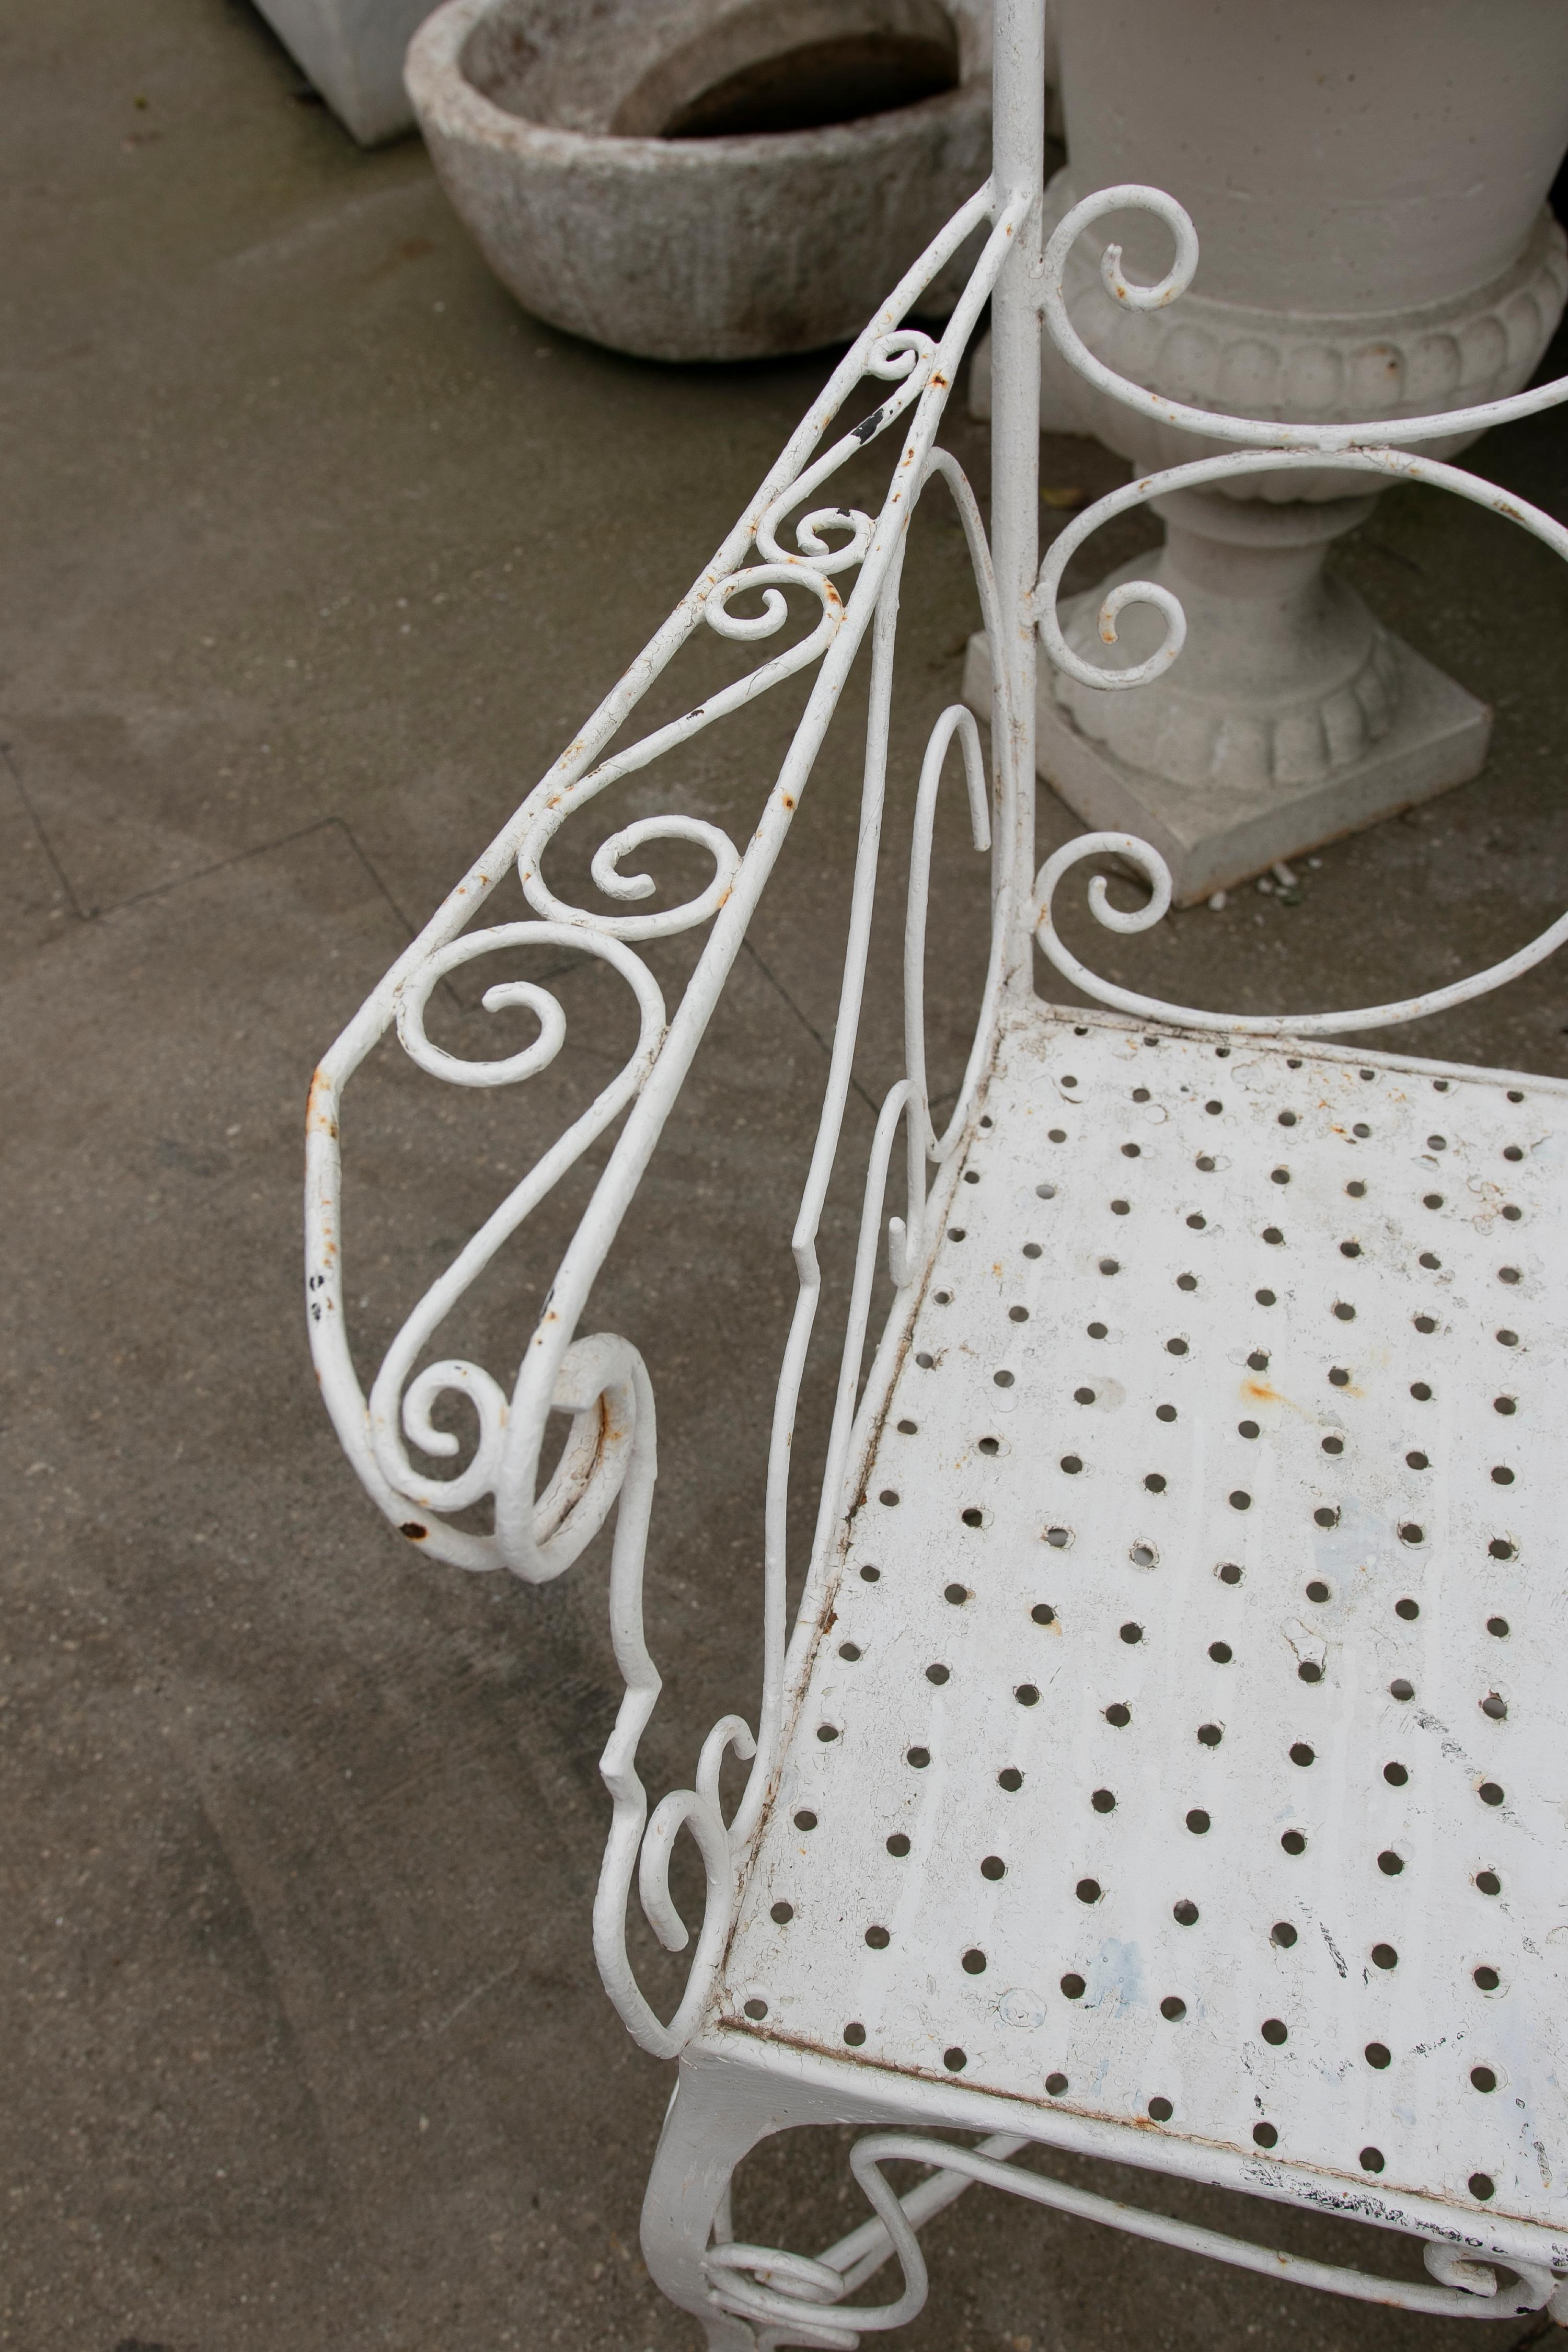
(353, 52)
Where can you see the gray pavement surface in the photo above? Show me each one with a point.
(316, 549)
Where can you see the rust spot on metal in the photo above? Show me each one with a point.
(1262, 1391)
(610, 1429)
(413, 1530)
(318, 1120)
(939, 381)
(788, 799)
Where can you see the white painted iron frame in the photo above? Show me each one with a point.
(726, 2101)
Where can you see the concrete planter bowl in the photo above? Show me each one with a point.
(705, 178)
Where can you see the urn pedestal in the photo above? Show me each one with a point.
(1375, 245)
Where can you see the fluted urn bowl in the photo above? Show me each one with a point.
(705, 178)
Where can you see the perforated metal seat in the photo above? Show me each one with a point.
(1186, 1720)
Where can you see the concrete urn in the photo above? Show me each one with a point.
(1369, 192)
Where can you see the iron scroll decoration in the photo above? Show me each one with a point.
(1267, 447)
(783, 551)
(784, 548)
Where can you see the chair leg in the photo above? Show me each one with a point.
(716, 2116)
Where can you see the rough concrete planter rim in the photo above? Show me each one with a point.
(438, 86)
(454, 114)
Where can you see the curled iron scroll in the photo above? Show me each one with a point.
(1267, 448)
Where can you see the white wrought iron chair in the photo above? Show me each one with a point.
(1169, 1757)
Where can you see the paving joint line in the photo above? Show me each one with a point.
(61, 877)
(241, 856)
(302, 832)
(1543, 2326)
(809, 1026)
(159, 889)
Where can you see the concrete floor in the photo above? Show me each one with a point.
(316, 551)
